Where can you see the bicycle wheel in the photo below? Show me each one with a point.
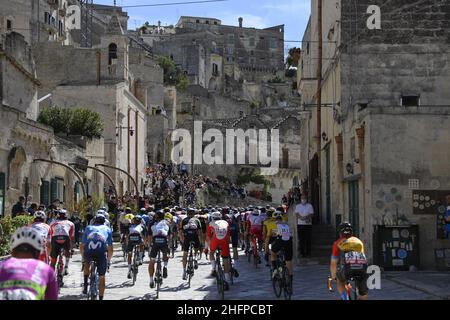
(135, 265)
(220, 284)
(158, 279)
(93, 283)
(277, 284)
(287, 285)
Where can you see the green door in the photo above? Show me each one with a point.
(353, 205)
(2, 194)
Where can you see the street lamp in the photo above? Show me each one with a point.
(131, 130)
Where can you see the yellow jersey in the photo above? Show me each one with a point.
(271, 227)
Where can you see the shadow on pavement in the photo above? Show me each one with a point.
(126, 284)
(73, 297)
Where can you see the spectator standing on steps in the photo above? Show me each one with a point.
(304, 212)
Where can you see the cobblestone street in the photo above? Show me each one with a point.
(309, 283)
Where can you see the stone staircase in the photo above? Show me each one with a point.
(322, 240)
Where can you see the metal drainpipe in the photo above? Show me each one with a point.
(99, 60)
(360, 132)
(128, 148)
(136, 148)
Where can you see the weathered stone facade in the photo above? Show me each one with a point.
(375, 142)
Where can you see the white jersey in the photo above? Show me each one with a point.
(220, 228)
(256, 220)
(160, 229)
(283, 231)
(137, 229)
(42, 228)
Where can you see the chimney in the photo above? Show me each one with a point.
(240, 22)
(159, 24)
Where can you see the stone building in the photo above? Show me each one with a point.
(386, 103)
(216, 56)
(23, 140)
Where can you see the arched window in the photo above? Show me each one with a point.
(112, 53)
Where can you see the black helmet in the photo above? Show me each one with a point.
(345, 228)
(127, 210)
(191, 211)
(159, 214)
(99, 218)
(137, 220)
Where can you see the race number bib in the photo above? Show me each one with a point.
(284, 232)
(355, 259)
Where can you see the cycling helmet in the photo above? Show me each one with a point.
(345, 228)
(205, 210)
(216, 215)
(225, 210)
(255, 212)
(62, 213)
(159, 215)
(166, 209)
(128, 210)
(27, 235)
(277, 215)
(137, 220)
(106, 214)
(99, 218)
(101, 211)
(104, 209)
(143, 211)
(40, 215)
(191, 210)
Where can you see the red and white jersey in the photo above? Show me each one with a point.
(42, 228)
(218, 229)
(256, 220)
(62, 228)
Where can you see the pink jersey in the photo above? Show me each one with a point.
(62, 228)
(27, 279)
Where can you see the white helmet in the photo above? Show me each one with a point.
(106, 214)
(216, 215)
(40, 215)
(256, 212)
(27, 235)
(101, 211)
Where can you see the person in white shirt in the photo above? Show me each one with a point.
(304, 212)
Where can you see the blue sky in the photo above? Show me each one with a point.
(293, 14)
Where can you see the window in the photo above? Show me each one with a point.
(307, 48)
(231, 38)
(285, 160)
(215, 22)
(252, 53)
(197, 21)
(207, 22)
(273, 43)
(252, 42)
(73, 21)
(410, 101)
(215, 69)
(45, 193)
(8, 24)
(112, 53)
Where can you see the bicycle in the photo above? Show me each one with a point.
(220, 275)
(255, 252)
(93, 281)
(60, 268)
(350, 289)
(190, 264)
(281, 280)
(158, 274)
(124, 247)
(174, 243)
(135, 265)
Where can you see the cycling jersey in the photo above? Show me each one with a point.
(218, 233)
(27, 279)
(190, 226)
(283, 231)
(97, 236)
(271, 228)
(44, 231)
(62, 228)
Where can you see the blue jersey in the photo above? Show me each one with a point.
(447, 215)
(96, 236)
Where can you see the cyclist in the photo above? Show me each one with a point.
(254, 228)
(24, 276)
(159, 232)
(146, 219)
(232, 216)
(218, 235)
(97, 245)
(44, 229)
(348, 261)
(269, 232)
(135, 238)
(124, 222)
(285, 216)
(191, 232)
(283, 240)
(62, 235)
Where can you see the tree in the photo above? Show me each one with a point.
(172, 74)
(73, 121)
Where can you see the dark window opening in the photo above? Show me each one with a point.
(198, 21)
(8, 24)
(207, 22)
(410, 101)
(112, 53)
(215, 22)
